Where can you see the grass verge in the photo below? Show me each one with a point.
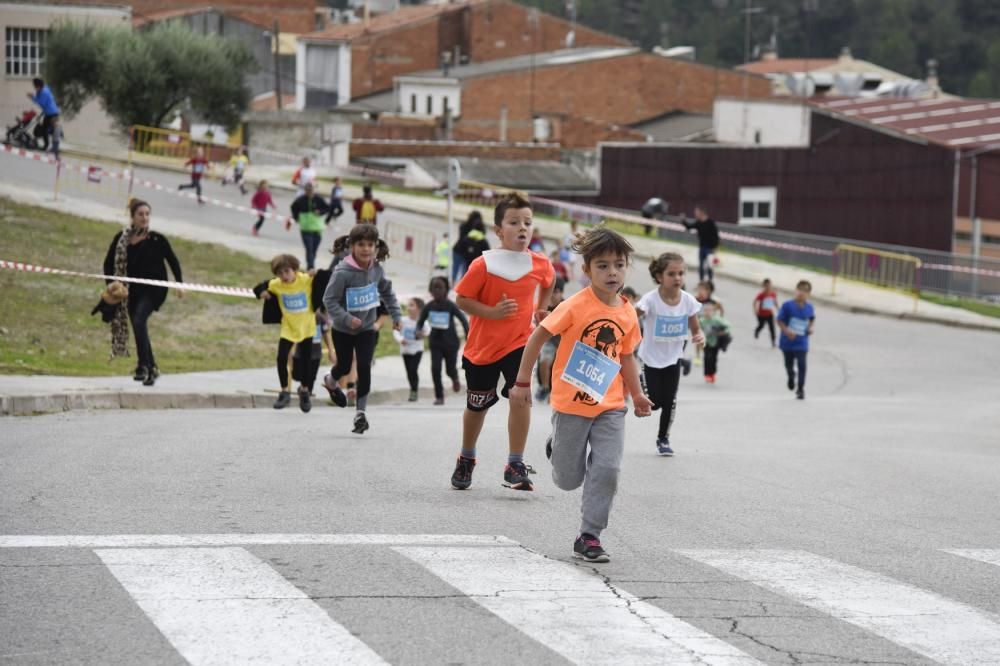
(979, 307)
(45, 322)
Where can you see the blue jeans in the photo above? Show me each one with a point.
(798, 358)
(458, 267)
(704, 267)
(311, 241)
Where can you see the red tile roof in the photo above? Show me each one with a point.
(786, 65)
(403, 17)
(951, 121)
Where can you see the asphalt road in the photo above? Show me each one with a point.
(857, 526)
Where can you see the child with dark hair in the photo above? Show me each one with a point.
(669, 314)
(199, 165)
(764, 306)
(594, 367)
(293, 289)
(499, 292)
(411, 344)
(260, 200)
(441, 312)
(352, 298)
(796, 319)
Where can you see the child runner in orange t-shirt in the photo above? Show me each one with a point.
(498, 292)
(595, 363)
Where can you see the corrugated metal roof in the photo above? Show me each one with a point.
(572, 56)
(786, 65)
(951, 121)
(403, 17)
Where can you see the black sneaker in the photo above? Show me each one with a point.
(336, 394)
(800, 394)
(360, 423)
(515, 476)
(155, 371)
(588, 548)
(791, 382)
(413, 396)
(284, 399)
(685, 366)
(150, 378)
(140, 373)
(461, 478)
(305, 400)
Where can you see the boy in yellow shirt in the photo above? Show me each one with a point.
(293, 289)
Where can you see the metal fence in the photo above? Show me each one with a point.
(943, 273)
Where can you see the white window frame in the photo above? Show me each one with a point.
(756, 197)
(24, 52)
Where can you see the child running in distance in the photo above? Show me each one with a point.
(594, 366)
(796, 320)
(717, 338)
(442, 313)
(669, 314)
(498, 292)
(764, 306)
(352, 298)
(238, 163)
(411, 345)
(259, 202)
(199, 165)
(293, 289)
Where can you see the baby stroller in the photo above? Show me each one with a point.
(28, 131)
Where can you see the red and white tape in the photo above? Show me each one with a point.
(241, 292)
(986, 272)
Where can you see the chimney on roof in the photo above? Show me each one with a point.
(845, 55)
(932, 76)
(445, 62)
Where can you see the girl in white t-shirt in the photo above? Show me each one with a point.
(669, 314)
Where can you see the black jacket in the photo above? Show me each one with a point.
(146, 259)
(708, 232)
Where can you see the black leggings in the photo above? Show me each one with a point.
(346, 345)
(305, 363)
(195, 183)
(139, 311)
(763, 320)
(661, 383)
(412, 363)
(711, 360)
(798, 357)
(284, 350)
(260, 222)
(450, 357)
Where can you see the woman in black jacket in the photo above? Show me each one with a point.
(138, 252)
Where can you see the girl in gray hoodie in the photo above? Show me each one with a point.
(352, 297)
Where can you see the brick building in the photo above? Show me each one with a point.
(293, 16)
(345, 62)
(886, 170)
(576, 97)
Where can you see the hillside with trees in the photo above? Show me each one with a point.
(962, 35)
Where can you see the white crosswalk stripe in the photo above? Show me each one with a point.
(979, 554)
(924, 622)
(571, 611)
(223, 605)
(216, 602)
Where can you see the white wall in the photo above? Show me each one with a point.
(91, 126)
(438, 91)
(761, 122)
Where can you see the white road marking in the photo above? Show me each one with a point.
(926, 623)
(980, 554)
(571, 611)
(182, 540)
(223, 605)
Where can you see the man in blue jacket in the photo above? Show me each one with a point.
(50, 124)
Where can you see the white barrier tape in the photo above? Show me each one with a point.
(962, 269)
(86, 170)
(241, 292)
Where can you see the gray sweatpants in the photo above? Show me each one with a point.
(597, 470)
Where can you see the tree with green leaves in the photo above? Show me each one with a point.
(142, 77)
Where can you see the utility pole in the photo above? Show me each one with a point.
(277, 70)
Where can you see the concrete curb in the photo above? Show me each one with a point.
(37, 405)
